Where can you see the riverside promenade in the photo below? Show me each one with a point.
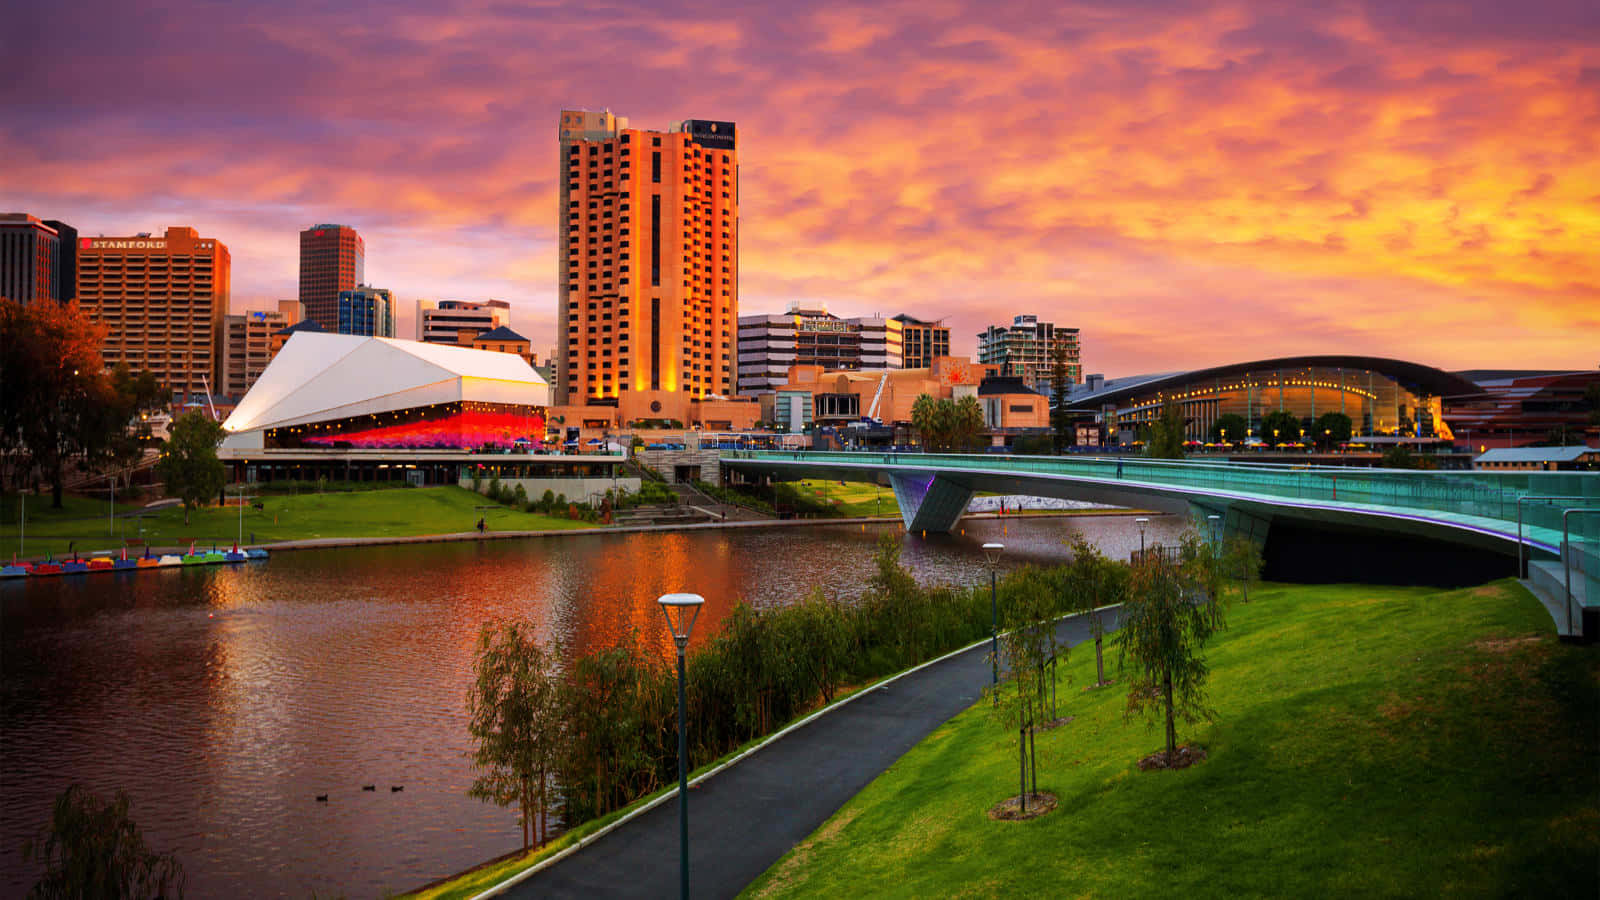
(747, 816)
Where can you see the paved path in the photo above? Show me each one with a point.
(745, 818)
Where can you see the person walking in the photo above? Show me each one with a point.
(1119, 467)
(481, 525)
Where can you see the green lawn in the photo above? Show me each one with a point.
(852, 499)
(1369, 741)
(382, 513)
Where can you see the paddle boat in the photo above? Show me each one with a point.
(15, 569)
(235, 555)
(74, 566)
(48, 567)
(148, 562)
(171, 559)
(99, 563)
(256, 553)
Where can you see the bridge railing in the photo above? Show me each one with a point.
(1458, 495)
(1489, 495)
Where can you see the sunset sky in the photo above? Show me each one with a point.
(1189, 183)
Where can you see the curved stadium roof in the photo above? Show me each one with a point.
(1423, 379)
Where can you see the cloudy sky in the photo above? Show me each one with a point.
(1189, 183)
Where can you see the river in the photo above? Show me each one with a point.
(223, 700)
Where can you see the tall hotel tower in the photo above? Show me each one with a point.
(649, 265)
(332, 259)
(162, 299)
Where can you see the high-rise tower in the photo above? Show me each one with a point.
(162, 300)
(332, 259)
(649, 265)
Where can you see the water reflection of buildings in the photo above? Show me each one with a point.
(1381, 396)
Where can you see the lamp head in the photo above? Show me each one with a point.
(991, 553)
(681, 611)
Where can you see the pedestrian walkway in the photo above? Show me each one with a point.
(747, 817)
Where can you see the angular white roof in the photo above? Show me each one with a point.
(319, 376)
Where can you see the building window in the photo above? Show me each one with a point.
(655, 167)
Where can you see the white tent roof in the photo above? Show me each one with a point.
(319, 376)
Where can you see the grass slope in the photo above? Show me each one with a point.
(382, 513)
(1369, 740)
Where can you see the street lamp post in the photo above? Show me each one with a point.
(1216, 544)
(991, 554)
(681, 611)
(1142, 521)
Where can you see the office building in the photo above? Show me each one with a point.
(443, 321)
(162, 300)
(921, 342)
(332, 259)
(247, 344)
(37, 259)
(770, 345)
(1027, 350)
(366, 310)
(648, 260)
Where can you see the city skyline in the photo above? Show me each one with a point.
(1278, 179)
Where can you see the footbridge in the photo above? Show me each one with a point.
(1545, 525)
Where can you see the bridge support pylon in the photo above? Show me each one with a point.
(1236, 523)
(929, 502)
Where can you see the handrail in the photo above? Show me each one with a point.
(1479, 495)
(1522, 569)
(1566, 553)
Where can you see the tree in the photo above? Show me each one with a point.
(188, 465)
(1163, 632)
(1095, 582)
(50, 369)
(966, 422)
(1060, 384)
(514, 714)
(1331, 428)
(1591, 399)
(1280, 427)
(1241, 562)
(92, 849)
(1026, 645)
(1165, 439)
(1230, 428)
(922, 419)
(1400, 456)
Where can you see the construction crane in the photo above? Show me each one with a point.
(872, 411)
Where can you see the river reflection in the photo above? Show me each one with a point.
(223, 700)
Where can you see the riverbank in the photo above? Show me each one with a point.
(1369, 740)
(86, 524)
(358, 519)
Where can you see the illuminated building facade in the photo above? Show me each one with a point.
(769, 345)
(1027, 350)
(333, 258)
(162, 300)
(921, 341)
(362, 408)
(648, 260)
(1518, 408)
(1382, 397)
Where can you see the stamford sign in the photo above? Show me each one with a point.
(132, 244)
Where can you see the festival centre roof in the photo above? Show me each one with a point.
(319, 376)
